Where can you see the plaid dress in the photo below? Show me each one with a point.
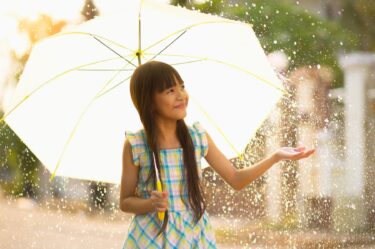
(181, 231)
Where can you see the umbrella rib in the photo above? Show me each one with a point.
(188, 27)
(77, 123)
(187, 62)
(110, 89)
(211, 120)
(100, 70)
(50, 81)
(91, 34)
(112, 50)
(169, 44)
(139, 35)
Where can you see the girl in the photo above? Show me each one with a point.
(175, 149)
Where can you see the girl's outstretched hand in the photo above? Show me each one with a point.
(290, 153)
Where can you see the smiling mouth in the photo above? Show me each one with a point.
(180, 106)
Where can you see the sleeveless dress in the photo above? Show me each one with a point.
(181, 231)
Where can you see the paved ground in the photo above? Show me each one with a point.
(24, 224)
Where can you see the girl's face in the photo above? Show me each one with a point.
(172, 102)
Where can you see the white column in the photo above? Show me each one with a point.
(356, 70)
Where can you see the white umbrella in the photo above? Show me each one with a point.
(72, 104)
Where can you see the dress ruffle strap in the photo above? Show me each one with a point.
(202, 141)
(137, 145)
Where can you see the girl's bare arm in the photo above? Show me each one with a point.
(128, 201)
(240, 178)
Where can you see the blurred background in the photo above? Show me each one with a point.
(325, 53)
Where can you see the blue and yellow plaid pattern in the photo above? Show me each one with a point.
(181, 232)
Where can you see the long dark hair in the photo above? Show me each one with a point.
(147, 79)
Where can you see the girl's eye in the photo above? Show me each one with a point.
(171, 90)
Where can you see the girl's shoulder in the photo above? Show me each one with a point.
(138, 144)
(197, 128)
(136, 138)
(198, 133)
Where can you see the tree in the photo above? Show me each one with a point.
(19, 166)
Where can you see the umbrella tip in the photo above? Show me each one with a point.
(51, 178)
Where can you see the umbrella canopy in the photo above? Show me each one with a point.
(72, 103)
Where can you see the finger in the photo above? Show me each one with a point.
(161, 209)
(296, 154)
(309, 153)
(160, 205)
(156, 194)
(300, 148)
(164, 194)
(291, 151)
(297, 157)
(158, 200)
(306, 154)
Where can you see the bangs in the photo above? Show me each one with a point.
(166, 77)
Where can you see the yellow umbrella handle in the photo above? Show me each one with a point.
(159, 188)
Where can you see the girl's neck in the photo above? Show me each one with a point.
(167, 137)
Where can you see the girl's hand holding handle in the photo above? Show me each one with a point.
(159, 200)
(290, 153)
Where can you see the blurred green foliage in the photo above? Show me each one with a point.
(359, 17)
(18, 165)
(306, 39)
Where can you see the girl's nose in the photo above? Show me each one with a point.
(180, 94)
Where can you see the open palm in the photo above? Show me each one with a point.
(291, 153)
